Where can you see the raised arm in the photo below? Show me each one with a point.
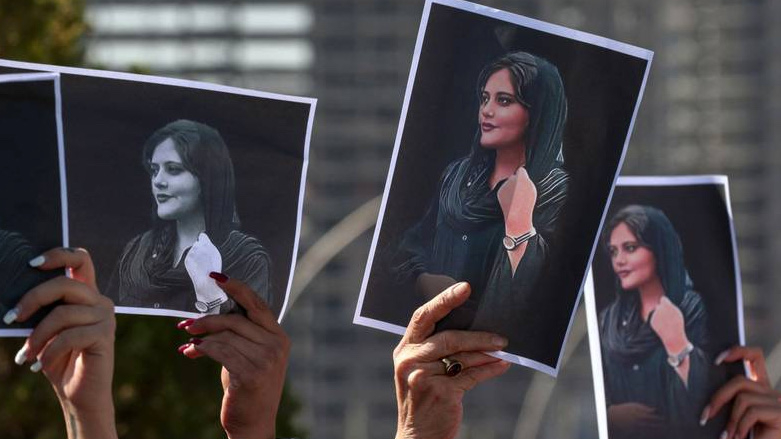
(74, 344)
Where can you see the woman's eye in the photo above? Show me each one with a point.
(174, 169)
(612, 252)
(153, 170)
(631, 248)
(504, 100)
(484, 99)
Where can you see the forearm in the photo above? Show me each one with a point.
(83, 424)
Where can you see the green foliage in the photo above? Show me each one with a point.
(158, 392)
(43, 31)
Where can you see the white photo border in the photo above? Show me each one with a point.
(590, 292)
(533, 24)
(186, 83)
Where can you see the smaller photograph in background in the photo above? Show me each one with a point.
(33, 207)
(665, 301)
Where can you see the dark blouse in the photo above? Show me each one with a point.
(135, 284)
(638, 371)
(463, 239)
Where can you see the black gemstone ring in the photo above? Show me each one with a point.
(452, 367)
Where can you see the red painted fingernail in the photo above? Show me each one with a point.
(183, 348)
(185, 323)
(196, 341)
(219, 277)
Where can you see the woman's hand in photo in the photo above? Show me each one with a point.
(433, 371)
(74, 344)
(667, 322)
(755, 404)
(516, 198)
(204, 258)
(253, 351)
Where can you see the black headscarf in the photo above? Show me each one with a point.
(626, 336)
(539, 88)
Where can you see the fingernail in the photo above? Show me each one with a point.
(37, 261)
(183, 348)
(36, 367)
(21, 356)
(460, 289)
(11, 315)
(720, 358)
(219, 277)
(498, 341)
(724, 435)
(185, 323)
(196, 341)
(704, 416)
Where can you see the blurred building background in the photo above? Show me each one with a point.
(712, 105)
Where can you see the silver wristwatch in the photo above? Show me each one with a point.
(676, 360)
(512, 242)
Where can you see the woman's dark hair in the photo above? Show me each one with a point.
(653, 230)
(539, 88)
(205, 155)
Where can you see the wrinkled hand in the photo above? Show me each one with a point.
(253, 351)
(634, 420)
(517, 197)
(429, 402)
(755, 403)
(204, 258)
(74, 344)
(667, 322)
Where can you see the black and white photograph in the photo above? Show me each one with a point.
(510, 139)
(665, 302)
(171, 180)
(33, 211)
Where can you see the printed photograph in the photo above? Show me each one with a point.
(510, 139)
(33, 211)
(666, 302)
(171, 180)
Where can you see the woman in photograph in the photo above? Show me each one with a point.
(653, 333)
(195, 228)
(494, 215)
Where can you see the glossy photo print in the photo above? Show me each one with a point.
(510, 139)
(171, 180)
(664, 303)
(33, 210)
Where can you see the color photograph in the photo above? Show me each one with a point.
(510, 139)
(666, 301)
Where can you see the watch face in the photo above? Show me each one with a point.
(200, 306)
(508, 243)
